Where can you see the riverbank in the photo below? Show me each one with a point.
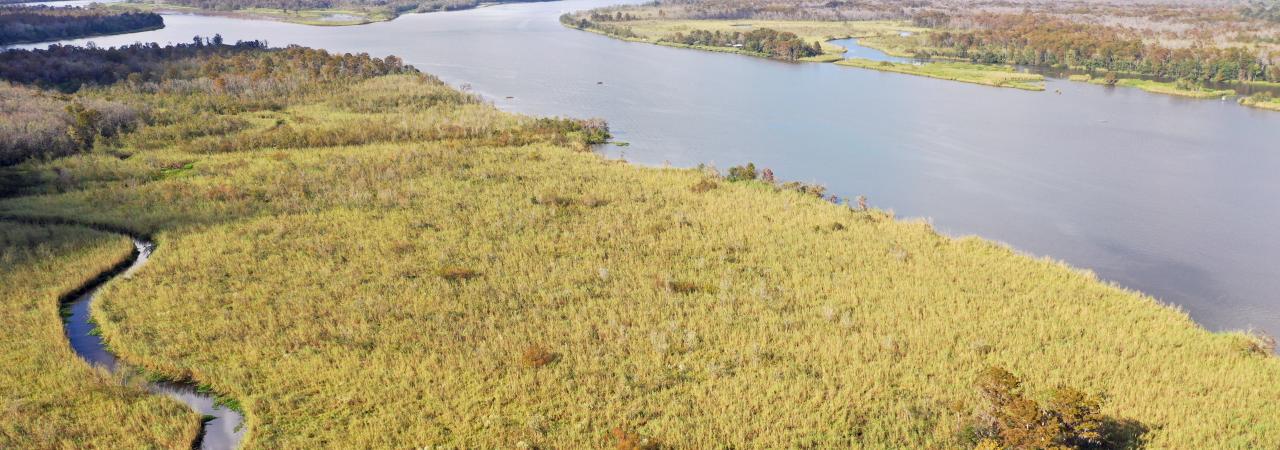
(969, 73)
(86, 36)
(445, 272)
(1160, 87)
(1261, 101)
(653, 31)
(657, 31)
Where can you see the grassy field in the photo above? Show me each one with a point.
(389, 263)
(969, 73)
(322, 17)
(50, 397)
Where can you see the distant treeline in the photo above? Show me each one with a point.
(1038, 40)
(776, 44)
(20, 24)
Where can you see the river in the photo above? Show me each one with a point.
(1178, 198)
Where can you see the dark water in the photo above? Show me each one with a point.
(223, 432)
(1178, 198)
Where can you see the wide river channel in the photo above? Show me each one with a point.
(1174, 197)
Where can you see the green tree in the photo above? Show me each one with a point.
(84, 125)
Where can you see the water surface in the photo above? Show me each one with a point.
(1175, 197)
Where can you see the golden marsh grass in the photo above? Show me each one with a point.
(503, 288)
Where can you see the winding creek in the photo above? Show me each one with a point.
(221, 432)
(1175, 197)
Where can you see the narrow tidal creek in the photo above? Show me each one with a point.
(223, 431)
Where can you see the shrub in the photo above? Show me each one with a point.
(1068, 419)
(767, 176)
(742, 173)
(683, 287)
(454, 273)
(816, 190)
(1257, 342)
(1110, 79)
(630, 440)
(703, 185)
(536, 356)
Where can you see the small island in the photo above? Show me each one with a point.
(31, 24)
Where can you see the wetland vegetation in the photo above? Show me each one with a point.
(985, 74)
(361, 256)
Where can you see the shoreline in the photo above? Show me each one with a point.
(960, 72)
(44, 41)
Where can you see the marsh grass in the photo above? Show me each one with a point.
(536, 356)
(1263, 101)
(989, 75)
(1178, 88)
(454, 273)
(746, 316)
(50, 397)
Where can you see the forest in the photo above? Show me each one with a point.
(22, 24)
(1037, 40)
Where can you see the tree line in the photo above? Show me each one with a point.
(1039, 40)
(776, 44)
(19, 24)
